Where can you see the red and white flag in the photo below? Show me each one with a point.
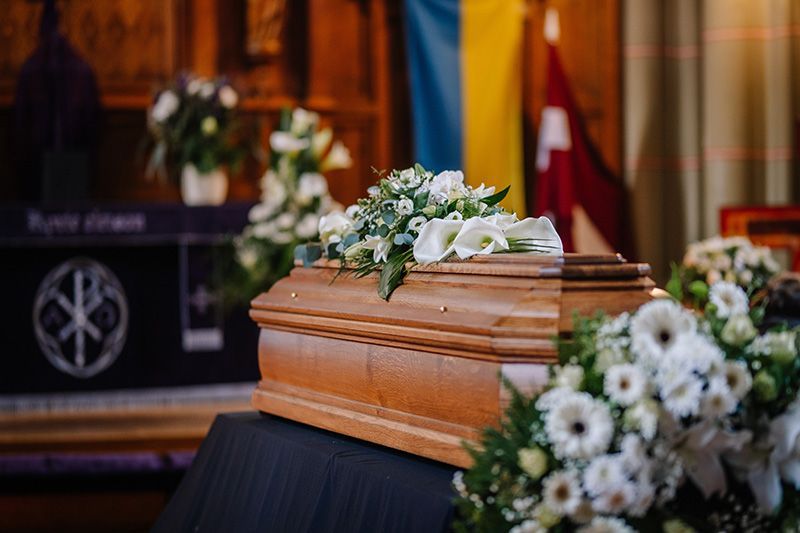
(575, 189)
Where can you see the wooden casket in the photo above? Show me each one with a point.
(421, 372)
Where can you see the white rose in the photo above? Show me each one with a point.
(405, 207)
(435, 241)
(284, 142)
(333, 226)
(165, 106)
(416, 223)
(337, 158)
(380, 247)
(569, 376)
(738, 330)
(478, 236)
(307, 227)
(537, 232)
(447, 185)
(311, 185)
(228, 97)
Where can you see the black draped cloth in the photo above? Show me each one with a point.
(256, 472)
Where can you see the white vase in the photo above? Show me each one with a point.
(209, 188)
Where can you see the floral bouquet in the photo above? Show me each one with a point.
(663, 420)
(294, 196)
(194, 122)
(732, 259)
(415, 217)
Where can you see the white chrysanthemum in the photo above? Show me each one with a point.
(570, 376)
(683, 398)
(604, 524)
(624, 384)
(603, 473)
(694, 353)
(729, 299)
(579, 427)
(562, 492)
(656, 327)
(615, 500)
(551, 398)
(718, 400)
(738, 378)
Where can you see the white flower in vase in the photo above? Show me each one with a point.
(570, 376)
(729, 299)
(479, 237)
(166, 105)
(337, 158)
(273, 191)
(303, 120)
(207, 90)
(194, 86)
(738, 330)
(285, 220)
(615, 500)
(228, 97)
(435, 241)
(643, 417)
(718, 399)
(320, 141)
(738, 378)
(579, 427)
(285, 143)
(606, 524)
(333, 226)
(380, 247)
(310, 185)
(260, 212)
(307, 227)
(603, 473)
(681, 396)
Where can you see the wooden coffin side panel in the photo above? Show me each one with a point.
(424, 403)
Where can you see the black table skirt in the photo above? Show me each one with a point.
(257, 472)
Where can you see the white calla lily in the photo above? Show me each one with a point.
(503, 221)
(539, 231)
(285, 142)
(435, 241)
(478, 236)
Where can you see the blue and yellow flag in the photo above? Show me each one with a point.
(466, 85)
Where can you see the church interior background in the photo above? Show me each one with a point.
(125, 329)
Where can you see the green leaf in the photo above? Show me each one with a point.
(394, 270)
(497, 197)
(421, 200)
(675, 286)
(388, 217)
(403, 238)
(383, 230)
(349, 240)
(334, 250)
(313, 252)
(419, 169)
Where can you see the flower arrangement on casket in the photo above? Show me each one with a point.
(661, 420)
(193, 123)
(414, 216)
(294, 196)
(732, 259)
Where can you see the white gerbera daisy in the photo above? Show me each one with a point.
(695, 353)
(656, 327)
(603, 473)
(738, 378)
(562, 492)
(579, 427)
(718, 400)
(683, 398)
(624, 384)
(604, 524)
(615, 500)
(728, 298)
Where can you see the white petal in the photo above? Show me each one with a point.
(434, 242)
(479, 236)
(540, 230)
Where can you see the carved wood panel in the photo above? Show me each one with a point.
(128, 43)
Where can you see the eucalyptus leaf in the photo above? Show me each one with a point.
(349, 240)
(300, 252)
(388, 217)
(403, 238)
(313, 252)
(333, 250)
(383, 230)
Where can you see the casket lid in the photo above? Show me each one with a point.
(499, 306)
